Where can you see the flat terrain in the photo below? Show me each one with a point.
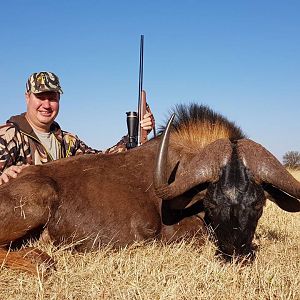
(179, 271)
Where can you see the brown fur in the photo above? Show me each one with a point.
(28, 260)
(94, 200)
(89, 200)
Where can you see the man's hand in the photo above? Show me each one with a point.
(148, 122)
(11, 172)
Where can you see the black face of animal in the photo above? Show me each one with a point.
(233, 207)
(235, 171)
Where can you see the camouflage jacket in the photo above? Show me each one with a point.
(20, 145)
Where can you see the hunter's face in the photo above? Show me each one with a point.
(42, 109)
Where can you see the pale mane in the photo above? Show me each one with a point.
(196, 126)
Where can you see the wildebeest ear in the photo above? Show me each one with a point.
(267, 171)
(282, 199)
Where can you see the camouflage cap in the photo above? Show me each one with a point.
(43, 82)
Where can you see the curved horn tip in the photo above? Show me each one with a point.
(170, 121)
(160, 172)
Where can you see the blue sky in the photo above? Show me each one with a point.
(242, 58)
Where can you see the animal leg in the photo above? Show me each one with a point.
(26, 204)
(29, 260)
(185, 229)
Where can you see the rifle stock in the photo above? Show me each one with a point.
(142, 134)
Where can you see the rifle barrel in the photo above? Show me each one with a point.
(141, 71)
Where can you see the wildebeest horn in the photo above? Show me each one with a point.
(281, 186)
(160, 172)
(203, 167)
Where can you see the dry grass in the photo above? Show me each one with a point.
(180, 271)
(296, 174)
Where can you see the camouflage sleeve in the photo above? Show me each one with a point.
(118, 147)
(82, 148)
(9, 147)
(75, 146)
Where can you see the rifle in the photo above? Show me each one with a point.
(137, 135)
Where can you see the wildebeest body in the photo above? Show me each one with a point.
(98, 199)
(110, 201)
(204, 164)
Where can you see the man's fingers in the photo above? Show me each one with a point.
(147, 122)
(4, 178)
(17, 169)
(147, 115)
(11, 172)
(145, 127)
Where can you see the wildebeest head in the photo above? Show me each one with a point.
(237, 175)
(233, 207)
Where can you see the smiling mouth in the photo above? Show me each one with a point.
(45, 113)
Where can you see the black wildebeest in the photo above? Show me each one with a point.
(202, 162)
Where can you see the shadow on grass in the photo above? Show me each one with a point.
(271, 235)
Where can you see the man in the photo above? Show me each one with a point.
(34, 138)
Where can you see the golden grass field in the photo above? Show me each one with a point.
(177, 271)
